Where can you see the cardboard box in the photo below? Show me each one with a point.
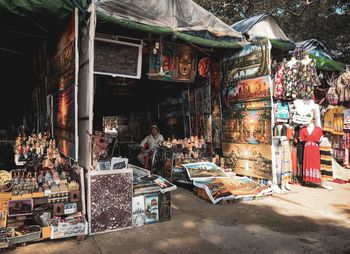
(46, 232)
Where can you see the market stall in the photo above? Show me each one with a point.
(144, 70)
(306, 89)
(42, 188)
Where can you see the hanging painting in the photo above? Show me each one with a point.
(252, 61)
(247, 126)
(216, 76)
(64, 116)
(249, 160)
(247, 90)
(173, 62)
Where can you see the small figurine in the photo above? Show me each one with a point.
(48, 176)
(41, 178)
(56, 177)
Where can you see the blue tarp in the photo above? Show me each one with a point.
(245, 25)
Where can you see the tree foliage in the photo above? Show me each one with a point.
(325, 20)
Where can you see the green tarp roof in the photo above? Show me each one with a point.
(57, 8)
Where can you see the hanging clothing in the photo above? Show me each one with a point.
(346, 118)
(338, 121)
(340, 172)
(333, 120)
(332, 96)
(343, 87)
(290, 79)
(297, 156)
(278, 89)
(282, 114)
(311, 163)
(282, 136)
(307, 79)
(328, 119)
(326, 160)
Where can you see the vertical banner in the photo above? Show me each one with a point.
(246, 130)
(63, 86)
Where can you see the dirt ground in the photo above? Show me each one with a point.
(308, 220)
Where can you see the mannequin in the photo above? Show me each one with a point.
(310, 127)
(311, 135)
(305, 110)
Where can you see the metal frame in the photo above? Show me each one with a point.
(139, 60)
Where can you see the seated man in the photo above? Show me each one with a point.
(149, 143)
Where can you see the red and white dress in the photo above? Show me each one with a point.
(312, 159)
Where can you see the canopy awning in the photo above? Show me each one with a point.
(182, 18)
(57, 8)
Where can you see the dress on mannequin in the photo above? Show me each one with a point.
(311, 135)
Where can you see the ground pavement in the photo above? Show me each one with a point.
(309, 220)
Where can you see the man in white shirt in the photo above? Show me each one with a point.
(149, 143)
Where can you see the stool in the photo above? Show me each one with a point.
(147, 164)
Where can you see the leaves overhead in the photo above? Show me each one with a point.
(325, 20)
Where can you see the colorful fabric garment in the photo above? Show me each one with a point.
(283, 161)
(326, 162)
(278, 91)
(298, 155)
(286, 175)
(307, 79)
(290, 79)
(333, 120)
(312, 160)
(338, 121)
(332, 96)
(343, 87)
(282, 110)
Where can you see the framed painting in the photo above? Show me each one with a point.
(202, 170)
(249, 160)
(109, 200)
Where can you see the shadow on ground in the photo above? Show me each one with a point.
(264, 226)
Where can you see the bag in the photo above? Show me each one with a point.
(332, 96)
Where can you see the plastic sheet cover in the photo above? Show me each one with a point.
(179, 15)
